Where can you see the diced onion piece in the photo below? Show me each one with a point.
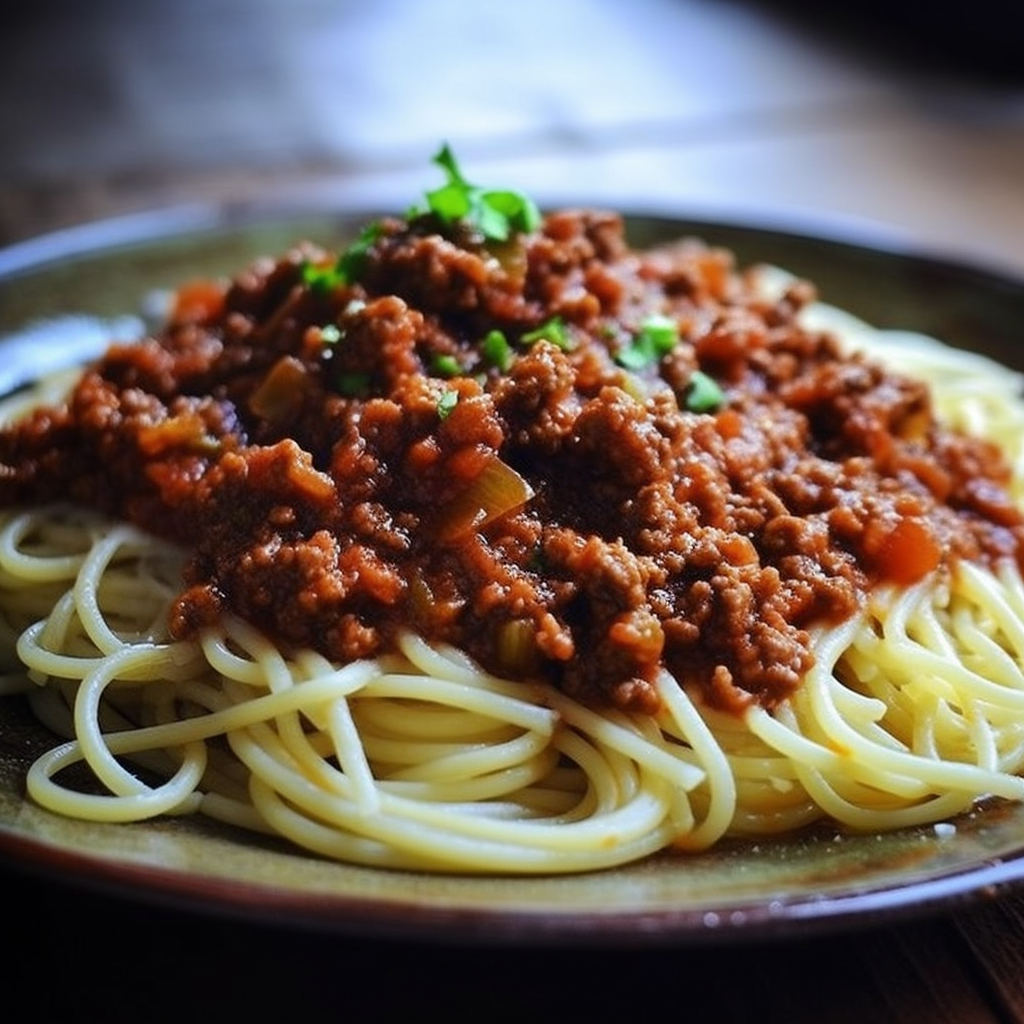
(495, 490)
(634, 386)
(517, 651)
(184, 431)
(279, 395)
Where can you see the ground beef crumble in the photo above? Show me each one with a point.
(344, 460)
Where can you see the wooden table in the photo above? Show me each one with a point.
(738, 109)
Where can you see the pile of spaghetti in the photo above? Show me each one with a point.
(493, 544)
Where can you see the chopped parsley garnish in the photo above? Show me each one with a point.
(495, 213)
(553, 330)
(658, 336)
(703, 394)
(321, 278)
(352, 262)
(445, 366)
(496, 350)
(348, 267)
(446, 402)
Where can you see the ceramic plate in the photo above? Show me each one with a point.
(62, 296)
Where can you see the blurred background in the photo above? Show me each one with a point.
(899, 117)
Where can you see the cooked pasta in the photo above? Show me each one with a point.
(493, 544)
(912, 712)
(417, 759)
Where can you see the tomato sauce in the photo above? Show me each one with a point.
(495, 445)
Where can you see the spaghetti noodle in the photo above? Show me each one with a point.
(418, 751)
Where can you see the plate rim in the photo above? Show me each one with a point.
(785, 919)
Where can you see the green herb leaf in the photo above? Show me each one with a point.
(445, 159)
(497, 351)
(703, 394)
(348, 267)
(352, 262)
(495, 213)
(658, 336)
(446, 403)
(553, 330)
(320, 278)
(660, 332)
(633, 357)
(445, 366)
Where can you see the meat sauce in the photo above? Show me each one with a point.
(470, 439)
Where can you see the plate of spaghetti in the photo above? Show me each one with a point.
(484, 570)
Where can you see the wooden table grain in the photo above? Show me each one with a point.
(741, 109)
